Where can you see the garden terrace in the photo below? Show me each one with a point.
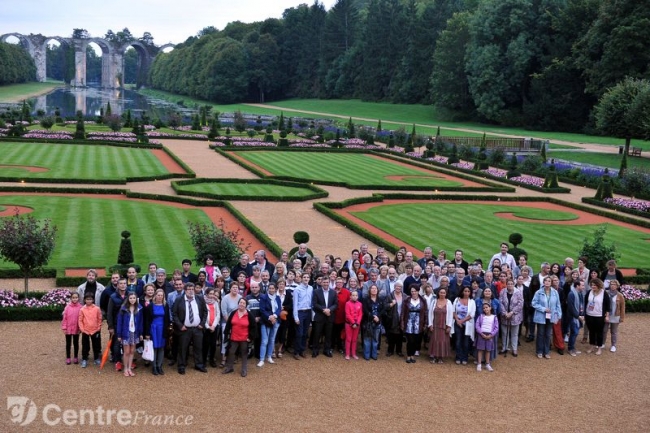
(518, 145)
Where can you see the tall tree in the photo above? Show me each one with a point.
(624, 111)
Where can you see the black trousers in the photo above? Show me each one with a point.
(323, 328)
(96, 340)
(71, 339)
(596, 326)
(194, 335)
(413, 342)
(394, 342)
(337, 341)
(210, 344)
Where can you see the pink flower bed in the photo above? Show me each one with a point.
(633, 294)
(529, 180)
(42, 134)
(641, 205)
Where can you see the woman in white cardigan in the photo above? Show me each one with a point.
(464, 312)
(441, 322)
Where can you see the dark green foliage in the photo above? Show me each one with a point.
(16, 65)
(258, 124)
(512, 169)
(605, 188)
(214, 132)
(391, 141)
(17, 130)
(80, 130)
(26, 112)
(636, 182)
(196, 123)
(351, 130)
(453, 158)
(174, 120)
(128, 123)
(125, 254)
(239, 123)
(531, 163)
(290, 125)
(281, 125)
(466, 152)
(379, 125)
(109, 111)
(301, 237)
(136, 127)
(224, 245)
(496, 157)
(25, 314)
(113, 121)
(623, 168)
(550, 181)
(597, 252)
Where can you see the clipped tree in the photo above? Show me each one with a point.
(430, 151)
(239, 122)
(351, 130)
(47, 122)
(268, 137)
(378, 126)
(542, 153)
(214, 132)
(258, 124)
(128, 121)
(481, 159)
(605, 187)
(550, 181)
(391, 141)
(512, 169)
(283, 141)
(300, 237)
(27, 242)
(204, 115)
(281, 125)
(125, 256)
(453, 158)
(290, 125)
(174, 121)
(136, 127)
(597, 252)
(25, 112)
(80, 130)
(196, 123)
(224, 245)
(109, 111)
(516, 239)
(100, 117)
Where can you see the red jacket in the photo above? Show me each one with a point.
(353, 312)
(343, 298)
(70, 322)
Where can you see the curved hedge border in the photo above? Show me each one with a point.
(592, 201)
(317, 192)
(489, 188)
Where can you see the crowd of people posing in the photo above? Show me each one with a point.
(304, 305)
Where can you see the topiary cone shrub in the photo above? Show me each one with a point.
(605, 187)
(550, 181)
(125, 255)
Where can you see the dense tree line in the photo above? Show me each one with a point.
(16, 66)
(536, 63)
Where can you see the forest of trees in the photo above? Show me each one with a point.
(534, 63)
(16, 66)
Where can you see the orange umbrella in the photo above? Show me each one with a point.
(106, 352)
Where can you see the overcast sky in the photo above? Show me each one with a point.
(167, 20)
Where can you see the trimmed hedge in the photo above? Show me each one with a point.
(77, 281)
(36, 273)
(63, 190)
(20, 314)
(92, 142)
(640, 306)
(594, 202)
(318, 192)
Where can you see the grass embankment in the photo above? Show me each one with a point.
(20, 92)
(600, 159)
(478, 230)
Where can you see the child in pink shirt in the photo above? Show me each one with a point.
(70, 327)
(353, 314)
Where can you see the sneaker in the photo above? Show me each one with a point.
(464, 362)
(488, 367)
(75, 360)
(547, 356)
(347, 358)
(98, 362)
(478, 367)
(417, 353)
(612, 349)
(68, 361)
(574, 352)
(355, 357)
(566, 338)
(260, 364)
(270, 361)
(539, 355)
(599, 351)
(84, 363)
(458, 362)
(118, 366)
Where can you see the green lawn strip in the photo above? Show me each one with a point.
(19, 92)
(248, 189)
(610, 160)
(475, 229)
(89, 229)
(81, 162)
(425, 114)
(353, 169)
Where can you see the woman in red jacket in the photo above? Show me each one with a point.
(240, 330)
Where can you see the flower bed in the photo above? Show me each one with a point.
(170, 135)
(629, 203)
(48, 135)
(53, 298)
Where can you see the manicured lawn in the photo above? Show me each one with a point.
(475, 229)
(354, 169)
(79, 161)
(89, 230)
(600, 159)
(245, 190)
(18, 92)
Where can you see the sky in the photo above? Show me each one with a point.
(169, 21)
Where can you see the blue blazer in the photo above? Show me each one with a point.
(123, 317)
(266, 309)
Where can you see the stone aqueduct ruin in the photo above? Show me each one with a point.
(112, 56)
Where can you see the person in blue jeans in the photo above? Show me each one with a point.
(270, 308)
(373, 310)
(302, 296)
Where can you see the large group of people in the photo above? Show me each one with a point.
(442, 309)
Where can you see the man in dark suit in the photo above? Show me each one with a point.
(324, 304)
(189, 314)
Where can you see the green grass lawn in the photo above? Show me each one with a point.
(600, 159)
(244, 190)
(89, 230)
(79, 161)
(18, 92)
(353, 169)
(475, 229)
